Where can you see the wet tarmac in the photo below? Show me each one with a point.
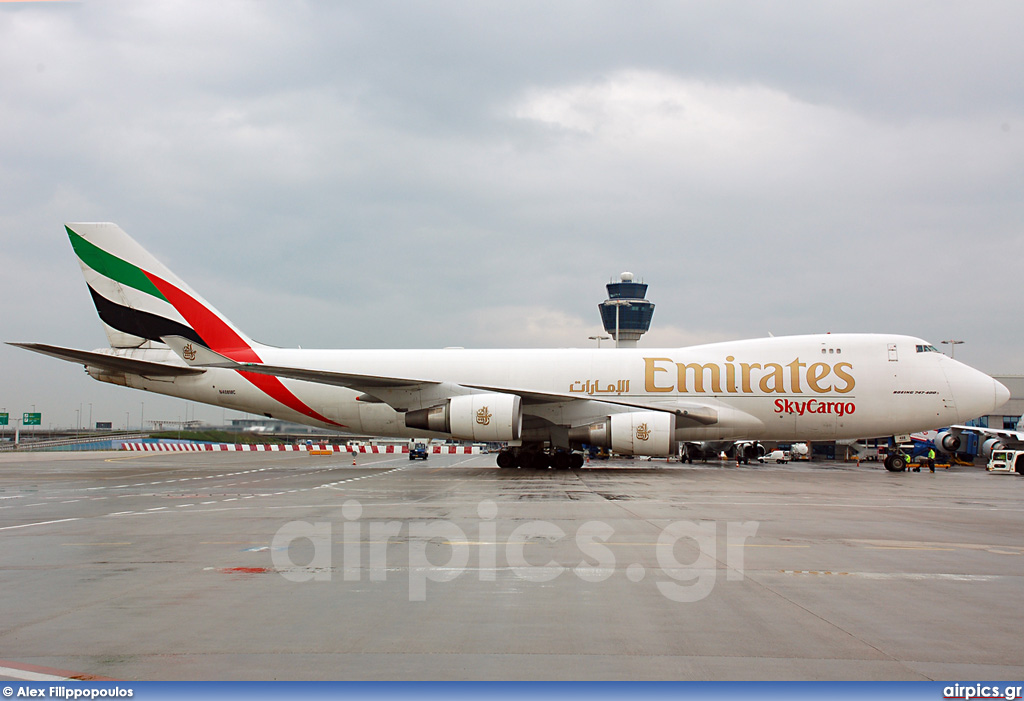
(288, 566)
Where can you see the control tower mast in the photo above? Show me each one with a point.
(626, 314)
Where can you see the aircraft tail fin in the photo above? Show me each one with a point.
(139, 300)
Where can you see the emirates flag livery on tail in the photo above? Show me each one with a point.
(544, 404)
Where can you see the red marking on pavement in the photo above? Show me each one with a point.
(244, 570)
(81, 676)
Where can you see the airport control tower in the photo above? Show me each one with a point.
(626, 314)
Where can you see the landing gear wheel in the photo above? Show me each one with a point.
(895, 463)
(576, 461)
(560, 460)
(533, 460)
(507, 459)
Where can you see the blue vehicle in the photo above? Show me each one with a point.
(418, 450)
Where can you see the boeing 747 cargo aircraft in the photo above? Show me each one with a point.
(543, 404)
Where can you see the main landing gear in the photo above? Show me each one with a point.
(538, 459)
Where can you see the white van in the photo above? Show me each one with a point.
(776, 456)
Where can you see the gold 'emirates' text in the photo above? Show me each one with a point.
(795, 377)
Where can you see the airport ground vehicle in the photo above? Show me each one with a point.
(1007, 461)
(776, 456)
(418, 451)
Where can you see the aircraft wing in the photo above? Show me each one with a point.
(325, 377)
(695, 411)
(110, 362)
(1013, 436)
(200, 356)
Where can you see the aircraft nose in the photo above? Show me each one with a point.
(975, 393)
(1002, 393)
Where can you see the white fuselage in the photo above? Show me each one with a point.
(815, 387)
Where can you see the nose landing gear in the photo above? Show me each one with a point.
(896, 462)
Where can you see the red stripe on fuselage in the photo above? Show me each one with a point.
(220, 337)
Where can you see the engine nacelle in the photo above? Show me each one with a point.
(991, 444)
(947, 441)
(632, 433)
(749, 450)
(474, 417)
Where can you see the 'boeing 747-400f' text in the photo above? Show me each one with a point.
(542, 403)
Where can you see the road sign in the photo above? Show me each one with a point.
(3, 419)
(32, 419)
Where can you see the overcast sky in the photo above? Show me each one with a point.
(409, 174)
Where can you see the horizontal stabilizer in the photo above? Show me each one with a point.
(112, 363)
(197, 355)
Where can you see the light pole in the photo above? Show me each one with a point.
(952, 346)
(617, 303)
(90, 416)
(598, 339)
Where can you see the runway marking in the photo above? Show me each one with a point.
(39, 523)
(903, 547)
(915, 576)
(92, 544)
(767, 545)
(229, 542)
(133, 457)
(372, 465)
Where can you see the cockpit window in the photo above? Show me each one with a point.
(927, 349)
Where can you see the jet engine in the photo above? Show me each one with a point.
(632, 433)
(947, 441)
(991, 444)
(475, 417)
(749, 450)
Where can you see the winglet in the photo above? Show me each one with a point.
(197, 355)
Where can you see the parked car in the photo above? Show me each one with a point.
(776, 456)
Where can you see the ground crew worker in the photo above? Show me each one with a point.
(931, 459)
